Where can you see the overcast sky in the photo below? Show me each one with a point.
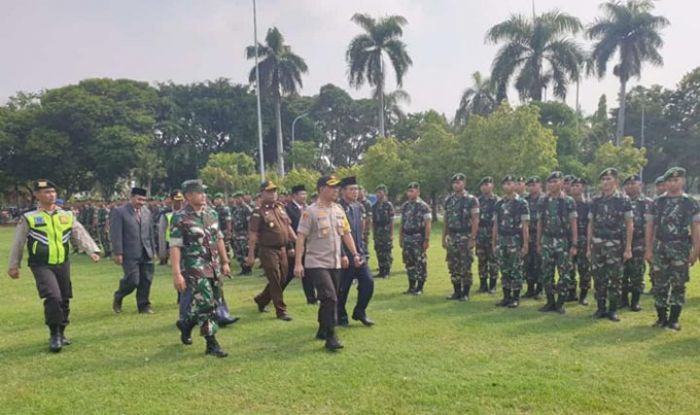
(51, 43)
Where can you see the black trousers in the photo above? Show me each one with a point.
(365, 290)
(138, 275)
(306, 283)
(54, 286)
(326, 282)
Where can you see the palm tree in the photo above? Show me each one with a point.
(633, 32)
(540, 50)
(478, 99)
(280, 73)
(393, 112)
(365, 55)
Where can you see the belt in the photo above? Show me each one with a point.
(416, 232)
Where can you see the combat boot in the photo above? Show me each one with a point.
(624, 299)
(506, 299)
(213, 347)
(662, 320)
(538, 291)
(411, 287)
(673, 317)
(465, 293)
(62, 331)
(612, 311)
(55, 343)
(635, 302)
(601, 312)
(492, 285)
(483, 285)
(582, 298)
(332, 342)
(530, 292)
(550, 304)
(419, 288)
(559, 306)
(457, 294)
(185, 331)
(515, 299)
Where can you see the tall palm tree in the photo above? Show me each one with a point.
(478, 99)
(393, 112)
(365, 55)
(540, 50)
(630, 30)
(280, 73)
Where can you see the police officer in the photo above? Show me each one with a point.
(488, 263)
(270, 231)
(45, 231)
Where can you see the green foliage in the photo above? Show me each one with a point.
(303, 176)
(228, 171)
(304, 154)
(627, 158)
(387, 162)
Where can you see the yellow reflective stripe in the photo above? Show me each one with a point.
(169, 220)
(34, 247)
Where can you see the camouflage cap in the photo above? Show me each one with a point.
(509, 178)
(485, 180)
(193, 186)
(632, 178)
(458, 176)
(659, 180)
(533, 179)
(381, 188)
(413, 185)
(674, 172)
(610, 171)
(555, 175)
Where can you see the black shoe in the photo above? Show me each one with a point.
(624, 299)
(582, 298)
(213, 347)
(117, 305)
(55, 341)
(364, 320)
(411, 287)
(311, 301)
(332, 343)
(465, 293)
(530, 292)
(261, 307)
(572, 296)
(417, 292)
(228, 321)
(146, 310)
(612, 311)
(549, 306)
(284, 317)
(662, 320)
(64, 340)
(601, 311)
(515, 299)
(185, 331)
(492, 285)
(506, 299)
(343, 322)
(321, 334)
(673, 318)
(538, 291)
(483, 285)
(635, 306)
(457, 294)
(559, 306)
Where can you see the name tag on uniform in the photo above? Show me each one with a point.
(63, 219)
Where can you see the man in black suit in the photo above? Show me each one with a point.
(294, 209)
(133, 247)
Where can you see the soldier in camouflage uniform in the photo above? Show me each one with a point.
(673, 244)
(556, 230)
(197, 241)
(414, 238)
(610, 231)
(225, 221)
(383, 230)
(659, 186)
(459, 236)
(488, 263)
(635, 268)
(510, 235)
(240, 219)
(520, 185)
(533, 260)
(103, 229)
(568, 181)
(367, 215)
(580, 260)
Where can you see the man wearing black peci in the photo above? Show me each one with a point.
(295, 208)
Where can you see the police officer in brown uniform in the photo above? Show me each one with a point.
(270, 229)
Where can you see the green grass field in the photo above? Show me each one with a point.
(425, 355)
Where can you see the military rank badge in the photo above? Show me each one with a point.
(63, 219)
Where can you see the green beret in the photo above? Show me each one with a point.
(520, 179)
(674, 172)
(485, 180)
(632, 178)
(193, 186)
(579, 180)
(458, 176)
(555, 175)
(533, 179)
(44, 184)
(610, 171)
(509, 178)
(659, 180)
(381, 188)
(569, 178)
(413, 185)
(218, 195)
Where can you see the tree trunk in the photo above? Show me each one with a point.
(621, 112)
(433, 197)
(380, 92)
(280, 143)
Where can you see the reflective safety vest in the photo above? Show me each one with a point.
(49, 234)
(169, 220)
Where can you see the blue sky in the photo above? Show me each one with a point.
(53, 43)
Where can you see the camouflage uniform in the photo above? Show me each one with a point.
(580, 260)
(555, 215)
(533, 260)
(672, 218)
(488, 263)
(413, 217)
(196, 234)
(608, 215)
(103, 230)
(509, 215)
(382, 223)
(635, 268)
(458, 217)
(366, 220)
(241, 217)
(225, 219)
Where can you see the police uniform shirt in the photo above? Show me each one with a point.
(324, 228)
